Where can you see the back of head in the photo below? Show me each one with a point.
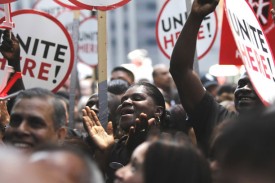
(130, 74)
(246, 147)
(118, 86)
(175, 160)
(69, 161)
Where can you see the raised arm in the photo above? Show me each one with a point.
(187, 81)
(10, 49)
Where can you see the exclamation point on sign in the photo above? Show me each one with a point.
(208, 28)
(57, 68)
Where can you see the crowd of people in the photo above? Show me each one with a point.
(180, 128)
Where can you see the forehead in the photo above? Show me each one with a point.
(120, 75)
(136, 89)
(244, 77)
(33, 106)
(139, 152)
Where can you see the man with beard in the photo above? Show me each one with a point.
(37, 117)
(203, 111)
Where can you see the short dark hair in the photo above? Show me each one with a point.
(127, 71)
(118, 86)
(59, 112)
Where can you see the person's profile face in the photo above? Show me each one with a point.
(31, 124)
(133, 171)
(245, 95)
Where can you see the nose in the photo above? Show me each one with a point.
(120, 173)
(23, 127)
(127, 101)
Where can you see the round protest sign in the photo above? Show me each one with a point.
(87, 46)
(67, 4)
(46, 49)
(99, 4)
(253, 47)
(50, 7)
(170, 22)
(66, 17)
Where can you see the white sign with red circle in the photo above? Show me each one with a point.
(50, 7)
(171, 20)
(46, 49)
(67, 4)
(87, 46)
(99, 4)
(253, 47)
(66, 17)
(6, 1)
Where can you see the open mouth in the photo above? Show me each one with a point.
(22, 145)
(126, 111)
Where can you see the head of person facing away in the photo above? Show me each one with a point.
(37, 117)
(244, 150)
(73, 164)
(169, 159)
(120, 72)
(162, 77)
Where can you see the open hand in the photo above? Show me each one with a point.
(95, 130)
(138, 133)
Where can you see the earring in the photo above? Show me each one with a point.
(157, 121)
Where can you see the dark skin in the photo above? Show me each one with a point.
(10, 49)
(190, 88)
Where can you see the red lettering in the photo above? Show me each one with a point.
(251, 58)
(265, 68)
(244, 54)
(166, 41)
(200, 34)
(29, 66)
(44, 69)
(2, 63)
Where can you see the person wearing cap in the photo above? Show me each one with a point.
(210, 83)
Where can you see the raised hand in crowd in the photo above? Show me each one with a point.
(103, 139)
(138, 133)
(10, 49)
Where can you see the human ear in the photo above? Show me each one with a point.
(61, 133)
(159, 111)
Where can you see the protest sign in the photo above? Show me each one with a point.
(253, 47)
(50, 7)
(229, 54)
(6, 1)
(67, 4)
(46, 49)
(87, 47)
(170, 22)
(99, 4)
(66, 17)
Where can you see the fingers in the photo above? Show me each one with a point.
(142, 122)
(131, 135)
(7, 43)
(95, 118)
(110, 128)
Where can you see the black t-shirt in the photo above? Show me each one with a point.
(205, 117)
